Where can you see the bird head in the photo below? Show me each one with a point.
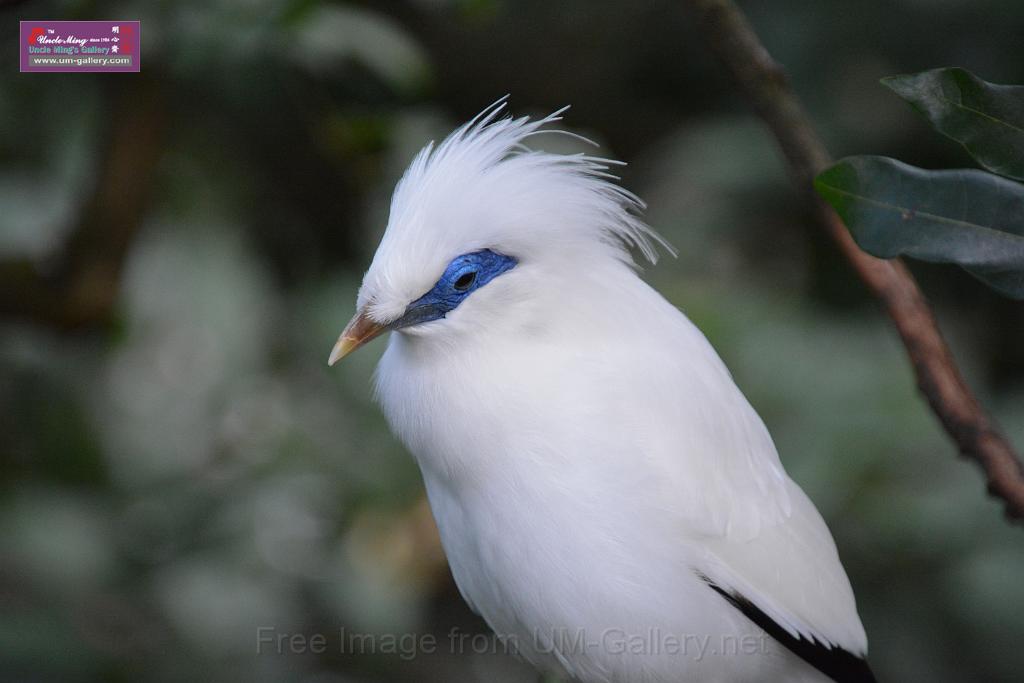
(482, 225)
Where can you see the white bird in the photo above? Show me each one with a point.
(608, 500)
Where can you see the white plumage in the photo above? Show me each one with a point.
(602, 488)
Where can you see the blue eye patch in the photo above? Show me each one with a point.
(463, 276)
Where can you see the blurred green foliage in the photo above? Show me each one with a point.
(179, 476)
(986, 118)
(969, 217)
(965, 216)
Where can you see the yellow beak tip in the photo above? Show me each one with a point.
(341, 349)
(359, 330)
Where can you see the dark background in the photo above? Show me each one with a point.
(179, 249)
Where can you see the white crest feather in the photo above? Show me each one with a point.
(488, 143)
(553, 204)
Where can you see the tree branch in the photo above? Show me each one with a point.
(765, 85)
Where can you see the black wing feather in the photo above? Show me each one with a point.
(838, 664)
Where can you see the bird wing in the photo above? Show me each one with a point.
(758, 538)
(789, 581)
(790, 573)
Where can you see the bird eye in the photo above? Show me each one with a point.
(465, 281)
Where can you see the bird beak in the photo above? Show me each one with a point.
(359, 330)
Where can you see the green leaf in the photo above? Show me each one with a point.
(987, 119)
(968, 217)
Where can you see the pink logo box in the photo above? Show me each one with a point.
(80, 46)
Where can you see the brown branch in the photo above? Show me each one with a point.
(765, 85)
(79, 286)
